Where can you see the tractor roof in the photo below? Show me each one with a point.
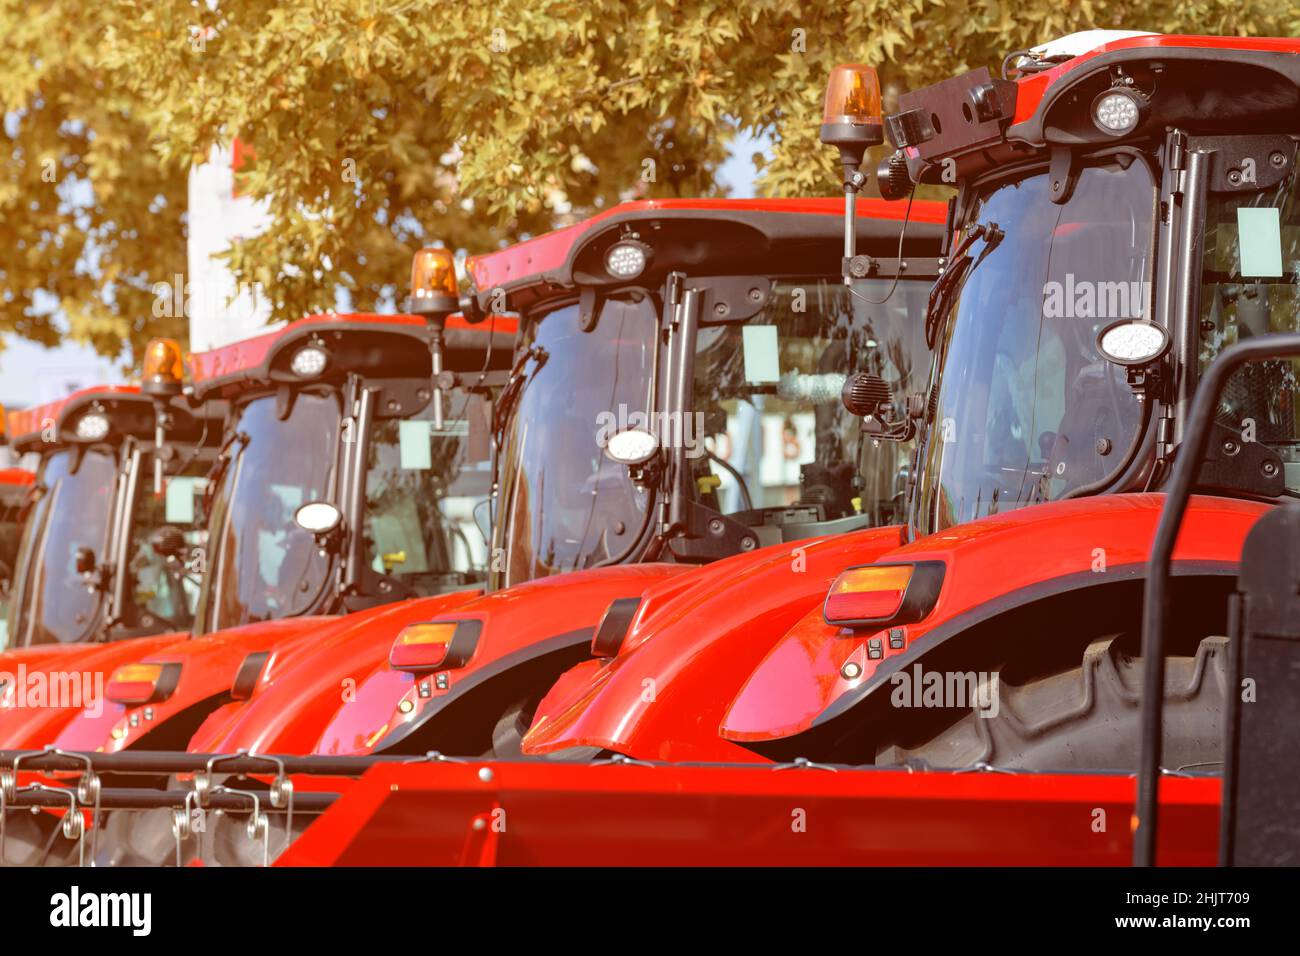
(709, 236)
(26, 426)
(374, 339)
(1203, 85)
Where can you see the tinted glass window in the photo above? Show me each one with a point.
(1254, 294)
(564, 504)
(1028, 410)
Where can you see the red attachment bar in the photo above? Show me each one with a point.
(551, 251)
(557, 814)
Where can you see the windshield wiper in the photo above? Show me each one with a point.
(514, 387)
(960, 263)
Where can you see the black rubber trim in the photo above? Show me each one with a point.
(1000, 605)
(613, 627)
(472, 680)
(246, 678)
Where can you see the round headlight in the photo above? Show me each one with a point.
(309, 361)
(1118, 111)
(632, 446)
(625, 260)
(1132, 342)
(92, 426)
(318, 517)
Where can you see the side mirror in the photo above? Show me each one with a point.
(85, 561)
(318, 517)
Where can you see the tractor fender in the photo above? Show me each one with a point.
(83, 667)
(523, 629)
(993, 565)
(664, 694)
(208, 666)
(306, 679)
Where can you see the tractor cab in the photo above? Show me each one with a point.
(334, 488)
(1124, 213)
(677, 388)
(1113, 234)
(111, 514)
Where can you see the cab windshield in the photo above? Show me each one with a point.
(767, 402)
(72, 512)
(1027, 410)
(565, 505)
(262, 566)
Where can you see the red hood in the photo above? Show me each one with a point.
(690, 651)
(304, 682)
(988, 562)
(208, 668)
(26, 724)
(520, 624)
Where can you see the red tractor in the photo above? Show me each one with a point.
(103, 555)
(676, 331)
(1113, 232)
(646, 331)
(330, 493)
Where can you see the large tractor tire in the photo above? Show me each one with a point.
(1085, 718)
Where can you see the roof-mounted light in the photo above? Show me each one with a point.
(1119, 111)
(92, 426)
(627, 259)
(164, 368)
(851, 115)
(310, 361)
(852, 96)
(434, 290)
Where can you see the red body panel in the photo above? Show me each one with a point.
(306, 680)
(516, 621)
(1031, 89)
(28, 422)
(558, 814)
(251, 353)
(208, 668)
(696, 647)
(550, 251)
(986, 560)
(17, 477)
(91, 664)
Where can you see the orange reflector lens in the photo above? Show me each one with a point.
(434, 645)
(852, 96)
(433, 273)
(864, 594)
(142, 683)
(163, 363)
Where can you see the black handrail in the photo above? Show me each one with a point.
(1196, 438)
